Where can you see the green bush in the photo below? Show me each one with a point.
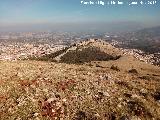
(86, 55)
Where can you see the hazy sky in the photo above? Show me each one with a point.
(47, 14)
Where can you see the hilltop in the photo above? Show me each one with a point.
(91, 80)
(85, 51)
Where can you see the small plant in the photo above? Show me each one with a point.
(80, 56)
(115, 68)
(80, 115)
(63, 85)
(157, 95)
(138, 108)
(134, 71)
(145, 77)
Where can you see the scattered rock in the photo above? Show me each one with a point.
(135, 96)
(103, 77)
(97, 115)
(135, 118)
(36, 114)
(143, 92)
(64, 99)
(50, 100)
(120, 99)
(106, 94)
(119, 105)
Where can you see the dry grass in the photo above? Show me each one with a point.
(49, 91)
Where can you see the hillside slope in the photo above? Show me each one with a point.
(120, 89)
(86, 51)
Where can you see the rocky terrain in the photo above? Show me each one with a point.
(91, 80)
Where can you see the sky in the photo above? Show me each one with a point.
(73, 15)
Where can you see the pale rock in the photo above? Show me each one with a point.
(124, 103)
(135, 118)
(45, 90)
(143, 91)
(135, 96)
(119, 105)
(103, 77)
(53, 111)
(50, 100)
(97, 115)
(58, 104)
(64, 100)
(106, 94)
(120, 99)
(36, 114)
(37, 118)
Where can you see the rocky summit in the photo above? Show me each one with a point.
(91, 80)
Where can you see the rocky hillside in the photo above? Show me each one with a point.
(86, 51)
(109, 87)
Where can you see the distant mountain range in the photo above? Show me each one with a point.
(147, 39)
(150, 32)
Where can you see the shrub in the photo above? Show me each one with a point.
(86, 55)
(157, 95)
(133, 71)
(115, 68)
(145, 77)
(49, 57)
